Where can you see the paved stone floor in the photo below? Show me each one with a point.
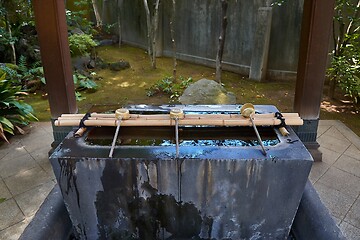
(26, 177)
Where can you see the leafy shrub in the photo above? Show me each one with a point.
(81, 44)
(13, 111)
(82, 83)
(345, 68)
(168, 86)
(29, 78)
(78, 18)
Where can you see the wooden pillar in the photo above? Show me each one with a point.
(314, 47)
(55, 54)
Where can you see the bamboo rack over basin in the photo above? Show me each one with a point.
(98, 119)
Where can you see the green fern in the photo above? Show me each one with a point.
(10, 73)
(22, 64)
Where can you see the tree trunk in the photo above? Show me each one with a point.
(119, 21)
(224, 5)
(149, 32)
(172, 32)
(97, 14)
(12, 45)
(154, 32)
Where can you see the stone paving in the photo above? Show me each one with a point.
(26, 177)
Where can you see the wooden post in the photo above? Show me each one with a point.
(314, 46)
(55, 55)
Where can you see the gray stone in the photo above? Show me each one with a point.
(80, 63)
(118, 66)
(353, 216)
(349, 165)
(342, 181)
(10, 214)
(27, 180)
(317, 170)
(207, 91)
(77, 31)
(350, 232)
(338, 203)
(30, 201)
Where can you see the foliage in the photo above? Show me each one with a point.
(169, 87)
(22, 75)
(345, 70)
(78, 18)
(82, 83)
(13, 111)
(16, 18)
(81, 44)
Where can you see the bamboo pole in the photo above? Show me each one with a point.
(166, 116)
(203, 121)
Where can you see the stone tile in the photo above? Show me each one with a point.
(349, 134)
(14, 232)
(30, 201)
(317, 170)
(350, 232)
(4, 191)
(41, 154)
(34, 131)
(47, 127)
(353, 152)
(329, 156)
(17, 150)
(348, 164)
(344, 182)
(34, 144)
(337, 203)
(333, 143)
(322, 129)
(334, 132)
(9, 167)
(353, 216)
(27, 180)
(48, 169)
(10, 214)
(328, 123)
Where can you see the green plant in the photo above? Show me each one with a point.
(82, 83)
(81, 44)
(168, 86)
(13, 111)
(78, 17)
(16, 18)
(345, 70)
(28, 78)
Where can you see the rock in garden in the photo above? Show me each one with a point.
(207, 91)
(80, 63)
(118, 66)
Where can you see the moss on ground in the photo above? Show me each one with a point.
(129, 86)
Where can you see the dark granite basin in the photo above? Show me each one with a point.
(219, 190)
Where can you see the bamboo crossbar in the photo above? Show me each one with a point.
(189, 120)
(166, 116)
